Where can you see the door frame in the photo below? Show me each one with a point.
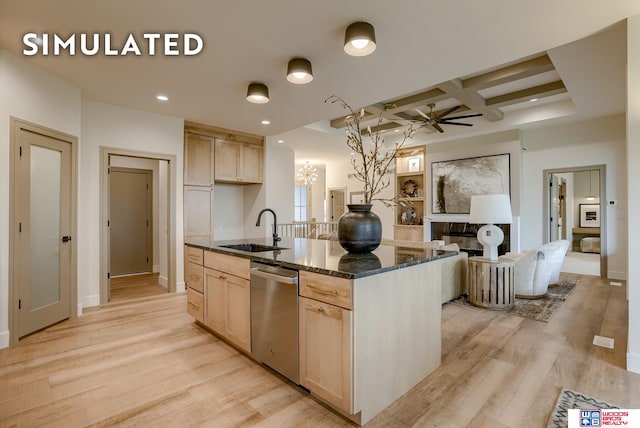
(172, 267)
(150, 226)
(15, 125)
(602, 169)
(330, 192)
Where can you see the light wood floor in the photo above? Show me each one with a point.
(146, 363)
(135, 286)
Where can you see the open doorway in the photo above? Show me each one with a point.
(572, 203)
(337, 203)
(138, 240)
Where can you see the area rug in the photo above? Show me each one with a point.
(569, 399)
(538, 309)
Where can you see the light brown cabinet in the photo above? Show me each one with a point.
(198, 213)
(326, 352)
(326, 338)
(194, 277)
(238, 162)
(227, 309)
(198, 160)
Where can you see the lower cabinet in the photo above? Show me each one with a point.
(227, 309)
(195, 304)
(326, 352)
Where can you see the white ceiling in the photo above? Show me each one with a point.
(420, 44)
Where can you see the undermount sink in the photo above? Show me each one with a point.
(252, 248)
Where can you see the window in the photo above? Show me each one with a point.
(300, 203)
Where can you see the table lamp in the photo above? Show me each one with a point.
(490, 210)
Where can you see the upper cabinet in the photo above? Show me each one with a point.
(411, 189)
(198, 160)
(214, 154)
(238, 162)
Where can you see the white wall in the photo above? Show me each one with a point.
(633, 176)
(278, 192)
(228, 211)
(592, 142)
(106, 125)
(36, 96)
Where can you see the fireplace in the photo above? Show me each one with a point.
(465, 235)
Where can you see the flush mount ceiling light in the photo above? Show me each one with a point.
(299, 71)
(162, 98)
(359, 39)
(258, 93)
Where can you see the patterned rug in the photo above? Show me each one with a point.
(569, 399)
(538, 309)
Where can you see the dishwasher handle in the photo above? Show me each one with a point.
(279, 278)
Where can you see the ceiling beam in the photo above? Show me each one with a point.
(516, 97)
(471, 99)
(539, 65)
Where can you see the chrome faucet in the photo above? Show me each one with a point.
(276, 238)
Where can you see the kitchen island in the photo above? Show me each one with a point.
(368, 325)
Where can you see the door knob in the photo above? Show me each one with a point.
(66, 238)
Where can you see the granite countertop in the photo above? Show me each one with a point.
(328, 257)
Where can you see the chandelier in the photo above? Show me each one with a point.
(307, 173)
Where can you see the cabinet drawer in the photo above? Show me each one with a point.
(195, 304)
(194, 276)
(194, 255)
(237, 266)
(325, 288)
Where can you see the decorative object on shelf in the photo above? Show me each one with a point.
(307, 173)
(359, 229)
(455, 181)
(589, 215)
(258, 93)
(410, 217)
(414, 164)
(372, 165)
(490, 210)
(299, 71)
(360, 39)
(410, 188)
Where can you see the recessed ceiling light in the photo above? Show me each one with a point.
(162, 98)
(265, 122)
(533, 100)
(280, 141)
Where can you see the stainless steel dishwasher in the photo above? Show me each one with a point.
(274, 318)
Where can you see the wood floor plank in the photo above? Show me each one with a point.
(144, 362)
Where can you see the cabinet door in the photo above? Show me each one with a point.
(198, 213)
(325, 352)
(215, 304)
(250, 163)
(226, 158)
(238, 322)
(198, 160)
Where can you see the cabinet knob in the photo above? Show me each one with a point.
(321, 309)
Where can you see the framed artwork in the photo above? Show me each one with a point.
(455, 181)
(589, 215)
(414, 164)
(356, 198)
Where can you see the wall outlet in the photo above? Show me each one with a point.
(613, 204)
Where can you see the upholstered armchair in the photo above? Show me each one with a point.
(554, 253)
(531, 276)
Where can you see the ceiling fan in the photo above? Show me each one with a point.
(435, 120)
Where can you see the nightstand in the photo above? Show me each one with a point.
(491, 283)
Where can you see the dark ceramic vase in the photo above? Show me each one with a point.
(359, 229)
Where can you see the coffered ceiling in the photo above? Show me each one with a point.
(485, 56)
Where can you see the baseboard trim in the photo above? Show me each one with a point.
(633, 362)
(612, 274)
(162, 280)
(156, 269)
(181, 287)
(88, 301)
(79, 313)
(4, 339)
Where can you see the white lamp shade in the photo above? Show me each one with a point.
(490, 209)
